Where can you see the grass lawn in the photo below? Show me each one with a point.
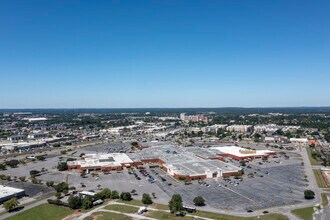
(320, 180)
(325, 200)
(311, 159)
(305, 213)
(165, 215)
(107, 216)
(230, 217)
(139, 203)
(122, 208)
(133, 202)
(42, 212)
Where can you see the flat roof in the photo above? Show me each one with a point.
(8, 191)
(239, 151)
(87, 193)
(102, 160)
(201, 167)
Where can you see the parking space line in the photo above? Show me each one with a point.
(239, 194)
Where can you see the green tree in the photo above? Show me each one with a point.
(62, 166)
(50, 183)
(309, 194)
(61, 187)
(22, 178)
(11, 204)
(12, 163)
(126, 196)
(146, 199)
(58, 195)
(105, 193)
(175, 204)
(199, 201)
(114, 194)
(2, 166)
(87, 203)
(75, 202)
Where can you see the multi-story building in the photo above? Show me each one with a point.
(194, 118)
(239, 128)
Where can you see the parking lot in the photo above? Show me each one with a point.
(270, 186)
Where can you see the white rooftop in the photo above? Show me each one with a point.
(104, 160)
(238, 151)
(7, 191)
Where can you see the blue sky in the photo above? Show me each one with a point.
(73, 54)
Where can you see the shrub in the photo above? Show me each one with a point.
(75, 202)
(146, 199)
(62, 166)
(125, 196)
(309, 194)
(61, 187)
(199, 201)
(114, 194)
(87, 203)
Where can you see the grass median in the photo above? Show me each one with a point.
(304, 213)
(311, 159)
(319, 179)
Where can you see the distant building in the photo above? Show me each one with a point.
(267, 128)
(303, 141)
(213, 128)
(22, 113)
(37, 136)
(276, 139)
(18, 137)
(35, 119)
(239, 128)
(194, 118)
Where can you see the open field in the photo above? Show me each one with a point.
(42, 212)
(305, 213)
(107, 216)
(166, 215)
(229, 217)
(320, 179)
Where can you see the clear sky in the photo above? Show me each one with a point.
(112, 54)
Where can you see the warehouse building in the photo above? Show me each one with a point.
(7, 193)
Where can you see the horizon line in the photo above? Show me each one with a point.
(54, 108)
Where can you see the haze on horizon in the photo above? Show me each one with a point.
(119, 54)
